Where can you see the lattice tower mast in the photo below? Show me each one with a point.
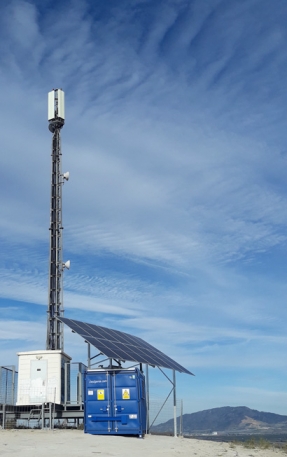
(56, 118)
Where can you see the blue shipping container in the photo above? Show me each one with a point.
(115, 402)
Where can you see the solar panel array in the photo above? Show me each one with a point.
(122, 346)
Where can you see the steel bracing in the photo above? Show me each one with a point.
(55, 307)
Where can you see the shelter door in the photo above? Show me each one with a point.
(38, 381)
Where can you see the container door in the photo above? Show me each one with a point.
(98, 403)
(126, 402)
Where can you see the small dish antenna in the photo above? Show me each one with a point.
(67, 265)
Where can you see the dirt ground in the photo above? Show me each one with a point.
(72, 443)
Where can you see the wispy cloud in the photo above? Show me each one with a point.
(175, 211)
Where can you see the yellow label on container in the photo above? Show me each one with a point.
(100, 394)
(126, 394)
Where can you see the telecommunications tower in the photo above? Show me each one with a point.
(56, 118)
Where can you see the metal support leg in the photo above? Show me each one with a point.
(51, 416)
(13, 384)
(147, 399)
(80, 388)
(65, 383)
(89, 355)
(174, 404)
(2, 399)
(43, 416)
(4, 416)
(181, 418)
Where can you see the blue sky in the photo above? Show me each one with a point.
(175, 214)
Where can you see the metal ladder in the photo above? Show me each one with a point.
(39, 414)
(35, 414)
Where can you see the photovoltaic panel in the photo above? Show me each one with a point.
(122, 346)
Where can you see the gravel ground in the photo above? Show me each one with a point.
(70, 443)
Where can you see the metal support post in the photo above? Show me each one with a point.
(66, 384)
(43, 416)
(147, 399)
(50, 415)
(1, 391)
(181, 418)
(54, 408)
(13, 385)
(4, 416)
(89, 355)
(80, 387)
(174, 404)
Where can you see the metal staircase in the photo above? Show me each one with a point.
(41, 414)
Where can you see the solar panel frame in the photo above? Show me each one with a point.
(123, 346)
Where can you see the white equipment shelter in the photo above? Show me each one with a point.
(41, 377)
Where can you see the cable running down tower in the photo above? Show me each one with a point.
(56, 118)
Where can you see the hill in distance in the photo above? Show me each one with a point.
(227, 419)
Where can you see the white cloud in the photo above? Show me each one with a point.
(175, 211)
